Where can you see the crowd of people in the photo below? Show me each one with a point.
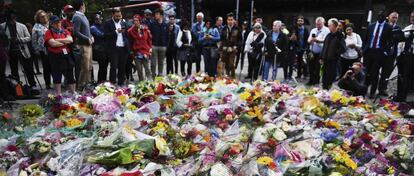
(329, 52)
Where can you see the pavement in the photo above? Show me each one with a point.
(392, 87)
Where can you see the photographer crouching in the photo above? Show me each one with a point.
(354, 80)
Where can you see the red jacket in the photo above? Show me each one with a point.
(140, 42)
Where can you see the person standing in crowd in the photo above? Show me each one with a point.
(333, 47)
(376, 49)
(388, 64)
(4, 87)
(185, 47)
(260, 21)
(172, 62)
(208, 40)
(197, 30)
(354, 80)
(316, 40)
(159, 32)
(406, 63)
(353, 44)
(241, 54)
(67, 23)
(99, 48)
(254, 49)
(19, 38)
(230, 42)
(288, 61)
(141, 44)
(38, 43)
(32, 52)
(116, 45)
(148, 20)
(276, 45)
(84, 41)
(302, 34)
(57, 41)
(219, 23)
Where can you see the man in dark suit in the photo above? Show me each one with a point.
(376, 49)
(387, 69)
(302, 34)
(116, 44)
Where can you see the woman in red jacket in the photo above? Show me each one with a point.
(141, 45)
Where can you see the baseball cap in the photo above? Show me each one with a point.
(147, 11)
(68, 8)
(54, 19)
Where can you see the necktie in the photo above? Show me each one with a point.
(374, 44)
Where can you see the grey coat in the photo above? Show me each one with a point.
(22, 35)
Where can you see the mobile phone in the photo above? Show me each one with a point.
(313, 35)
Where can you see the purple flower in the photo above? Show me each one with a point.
(350, 133)
(212, 115)
(227, 98)
(329, 135)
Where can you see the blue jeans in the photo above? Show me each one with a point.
(210, 61)
(267, 65)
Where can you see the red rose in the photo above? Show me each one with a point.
(366, 138)
(233, 151)
(6, 116)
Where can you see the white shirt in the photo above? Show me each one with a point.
(180, 34)
(120, 37)
(352, 53)
(252, 37)
(320, 35)
(381, 27)
(406, 31)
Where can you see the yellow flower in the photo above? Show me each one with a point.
(255, 112)
(265, 160)
(73, 122)
(336, 95)
(123, 99)
(245, 95)
(132, 107)
(333, 124)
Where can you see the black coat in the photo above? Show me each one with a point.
(333, 46)
(385, 40)
(111, 35)
(270, 46)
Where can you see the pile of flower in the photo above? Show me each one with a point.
(207, 126)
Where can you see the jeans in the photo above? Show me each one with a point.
(267, 65)
(157, 59)
(139, 65)
(210, 61)
(118, 59)
(86, 64)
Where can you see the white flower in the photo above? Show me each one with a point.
(279, 135)
(53, 164)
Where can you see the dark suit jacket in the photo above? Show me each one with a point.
(397, 36)
(385, 40)
(333, 46)
(111, 35)
(281, 43)
(305, 37)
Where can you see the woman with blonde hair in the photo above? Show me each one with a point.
(38, 42)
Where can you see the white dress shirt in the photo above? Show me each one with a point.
(320, 35)
(352, 53)
(120, 37)
(381, 27)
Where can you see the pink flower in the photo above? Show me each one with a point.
(59, 124)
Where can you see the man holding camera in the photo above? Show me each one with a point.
(406, 63)
(354, 80)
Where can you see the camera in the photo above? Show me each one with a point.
(313, 35)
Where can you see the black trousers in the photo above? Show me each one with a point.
(374, 60)
(302, 68)
(172, 62)
(128, 68)
(287, 65)
(189, 67)
(329, 73)
(199, 51)
(47, 73)
(118, 60)
(27, 64)
(314, 69)
(255, 60)
(405, 75)
(346, 64)
(103, 62)
(3, 84)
